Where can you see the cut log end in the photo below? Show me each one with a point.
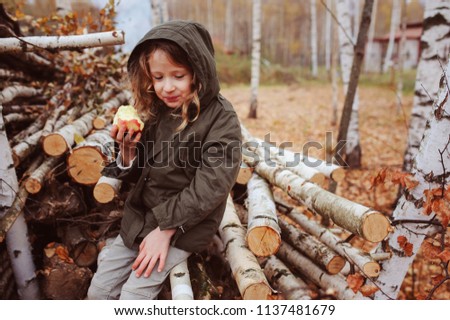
(263, 241)
(371, 269)
(33, 186)
(99, 123)
(338, 174)
(258, 291)
(318, 178)
(375, 227)
(85, 253)
(336, 264)
(104, 192)
(245, 173)
(54, 145)
(85, 165)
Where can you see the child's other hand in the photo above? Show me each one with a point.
(154, 247)
(127, 141)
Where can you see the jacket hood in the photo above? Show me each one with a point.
(196, 41)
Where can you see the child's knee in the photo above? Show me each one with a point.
(97, 293)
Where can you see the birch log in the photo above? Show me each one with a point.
(83, 251)
(56, 144)
(246, 271)
(245, 173)
(263, 233)
(106, 189)
(368, 266)
(315, 250)
(108, 109)
(290, 286)
(17, 117)
(310, 271)
(423, 202)
(8, 94)
(358, 219)
(25, 44)
(89, 157)
(35, 182)
(180, 282)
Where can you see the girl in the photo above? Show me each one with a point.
(183, 165)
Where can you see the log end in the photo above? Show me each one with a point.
(318, 178)
(85, 253)
(375, 227)
(338, 174)
(99, 123)
(32, 185)
(85, 165)
(257, 291)
(54, 145)
(371, 269)
(263, 241)
(335, 265)
(104, 192)
(245, 173)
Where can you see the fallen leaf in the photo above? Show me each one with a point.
(355, 281)
(444, 256)
(368, 289)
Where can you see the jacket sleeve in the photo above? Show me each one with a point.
(130, 174)
(213, 180)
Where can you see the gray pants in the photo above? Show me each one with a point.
(114, 278)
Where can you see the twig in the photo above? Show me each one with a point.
(337, 21)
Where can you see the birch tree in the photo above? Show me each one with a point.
(328, 36)
(401, 56)
(436, 42)
(369, 47)
(210, 21)
(423, 201)
(156, 12)
(395, 20)
(229, 23)
(256, 57)
(353, 148)
(313, 38)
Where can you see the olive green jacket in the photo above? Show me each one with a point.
(182, 180)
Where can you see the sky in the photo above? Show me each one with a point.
(133, 17)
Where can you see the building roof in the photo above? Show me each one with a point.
(413, 32)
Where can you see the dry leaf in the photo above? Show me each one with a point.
(430, 251)
(368, 290)
(444, 256)
(355, 281)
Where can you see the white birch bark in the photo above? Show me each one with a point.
(180, 282)
(263, 233)
(356, 17)
(250, 279)
(256, 57)
(245, 173)
(210, 18)
(328, 36)
(106, 189)
(362, 260)
(18, 117)
(401, 57)
(101, 39)
(229, 24)
(63, 7)
(290, 286)
(310, 271)
(164, 10)
(8, 94)
(13, 75)
(107, 110)
(436, 40)
(156, 12)
(313, 38)
(371, 35)
(430, 169)
(353, 149)
(35, 181)
(395, 20)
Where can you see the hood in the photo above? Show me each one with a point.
(196, 41)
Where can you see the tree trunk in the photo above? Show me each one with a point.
(328, 37)
(358, 219)
(229, 24)
(256, 58)
(310, 271)
(210, 19)
(246, 271)
(313, 38)
(423, 202)
(315, 250)
(106, 189)
(263, 233)
(282, 279)
(395, 20)
(401, 57)
(8, 94)
(87, 160)
(8, 182)
(180, 282)
(35, 182)
(436, 41)
(369, 48)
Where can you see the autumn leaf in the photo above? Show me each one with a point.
(444, 255)
(355, 281)
(436, 279)
(379, 179)
(63, 254)
(368, 289)
(430, 251)
(405, 245)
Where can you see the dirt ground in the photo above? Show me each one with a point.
(302, 113)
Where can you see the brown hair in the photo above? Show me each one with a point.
(145, 99)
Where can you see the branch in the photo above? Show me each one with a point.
(24, 44)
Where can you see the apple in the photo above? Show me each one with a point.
(127, 117)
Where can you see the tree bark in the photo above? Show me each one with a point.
(245, 173)
(395, 19)
(83, 251)
(282, 279)
(263, 233)
(8, 94)
(313, 38)
(315, 250)
(310, 271)
(401, 57)
(249, 277)
(180, 282)
(436, 40)
(229, 24)
(256, 58)
(369, 48)
(35, 182)
(106, 189)
(108, 110)
(424, 201)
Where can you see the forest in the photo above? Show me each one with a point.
(347, 99)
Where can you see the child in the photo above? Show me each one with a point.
(183, 164)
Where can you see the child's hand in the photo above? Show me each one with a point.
(127, 141)
(154, 247)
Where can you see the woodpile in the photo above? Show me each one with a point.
(57, 106)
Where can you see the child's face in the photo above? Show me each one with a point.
(171, 82)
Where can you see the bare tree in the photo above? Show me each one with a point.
(256, 58)
(229, 23)
(395, 19)
(313, 38)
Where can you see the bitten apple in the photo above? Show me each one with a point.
(127, 116)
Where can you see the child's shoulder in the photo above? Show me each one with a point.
(225, 104)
